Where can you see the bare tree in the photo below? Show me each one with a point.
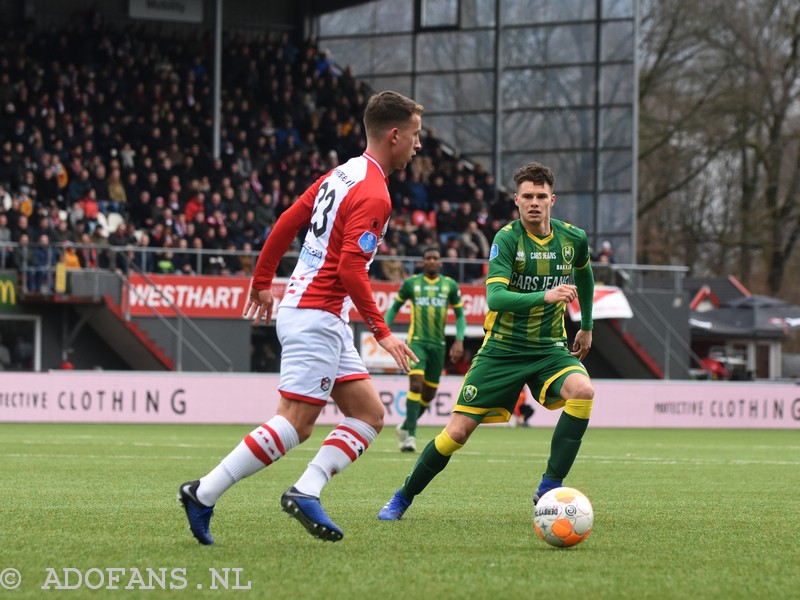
(720, 134)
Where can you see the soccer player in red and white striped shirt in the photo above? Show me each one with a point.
(346, 212)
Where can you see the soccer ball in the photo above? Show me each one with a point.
(563, 517)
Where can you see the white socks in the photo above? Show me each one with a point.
(267, 443)
(260, 448)
(341, 448)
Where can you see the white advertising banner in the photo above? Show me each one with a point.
(147, 397)
(184, 11)
(375, 357)
(609, 303)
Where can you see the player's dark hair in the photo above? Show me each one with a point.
(535, 173)
(389, 109)
(431, 249)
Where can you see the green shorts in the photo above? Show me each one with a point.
(431, 363)
(494, 381)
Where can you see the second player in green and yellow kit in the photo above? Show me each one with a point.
(431, 294)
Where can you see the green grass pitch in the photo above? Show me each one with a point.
(678, 514)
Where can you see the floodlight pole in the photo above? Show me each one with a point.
(498, 97)
(217, 110)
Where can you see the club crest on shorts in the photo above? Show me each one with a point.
(470, 393)
(325, 384)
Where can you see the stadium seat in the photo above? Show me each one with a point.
(418, 217)
(114, 219)
(102, 220)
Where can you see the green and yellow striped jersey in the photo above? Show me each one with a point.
(429, 301)
(528, 264)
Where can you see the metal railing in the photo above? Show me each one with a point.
(634, 281)
(202, 262)
(37, 266)
(181, 320)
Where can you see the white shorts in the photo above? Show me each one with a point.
(317, 352)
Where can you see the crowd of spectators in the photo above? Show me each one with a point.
(105, 141)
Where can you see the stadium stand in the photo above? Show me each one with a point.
(105, 135)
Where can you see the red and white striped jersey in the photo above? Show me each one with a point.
(347, 212)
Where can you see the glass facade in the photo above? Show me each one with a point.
(506, 82)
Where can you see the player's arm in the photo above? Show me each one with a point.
(362, 229)
(391, 314)
(584, 281)
(297, 216)
(260, 301)
(352, 272)
(461, 323)
(363, 217)
(498, 297)
(455, 301)
(457, 349)
(399, 300)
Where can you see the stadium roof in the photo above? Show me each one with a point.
(318, 7)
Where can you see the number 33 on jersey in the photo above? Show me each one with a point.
(351, 208)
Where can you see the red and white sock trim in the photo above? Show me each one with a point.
(348, 441)
(272, 440)
(339, 450)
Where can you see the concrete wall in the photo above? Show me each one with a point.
(232, 337)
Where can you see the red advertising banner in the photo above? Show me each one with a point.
(197, 297)
(224, 298)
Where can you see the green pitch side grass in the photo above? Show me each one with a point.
(678, 514)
